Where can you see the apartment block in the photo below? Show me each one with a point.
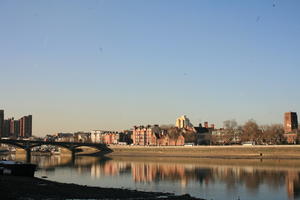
(26, 126)
(1, 122)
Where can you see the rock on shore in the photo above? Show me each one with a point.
(12, 187)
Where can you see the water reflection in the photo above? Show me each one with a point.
(271, 179)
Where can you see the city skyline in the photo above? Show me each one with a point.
(113, 64)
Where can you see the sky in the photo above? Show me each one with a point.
(112, 64)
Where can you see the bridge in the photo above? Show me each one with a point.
(27, 145)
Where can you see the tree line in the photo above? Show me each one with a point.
(232, 133)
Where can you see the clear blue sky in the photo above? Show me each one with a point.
(84, 65)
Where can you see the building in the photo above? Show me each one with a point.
(204, 133)
(154, 136)
(290, 122)
(105, 137)
(15, 128)
(183, 122)
(6, 128)
(125, 137)
(96, 136)
(83, 137)
(110, 138)
(1, 122)
(166, 140)
(10, 128)
(64, 137)
(26, 126)
(145, 135)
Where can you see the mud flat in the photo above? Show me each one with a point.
(22, 188)
(229, 152)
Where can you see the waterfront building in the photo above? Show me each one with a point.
(82, 137)
(145, 135)
(154, 135)
(50, 138)
(96, 136)
(105, 137)
(26, 126)
(125, 137)
(225, 136)
(1, 122)
(204, 133)
(16, 124)
(166, 140)
(111, 138)
(10, 128)
(6, 127)
(290, 122)
(15, 128)
(183, 122)
(64, 137)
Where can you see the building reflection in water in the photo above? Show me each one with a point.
(249, 176)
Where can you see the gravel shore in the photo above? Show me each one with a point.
(27, 188)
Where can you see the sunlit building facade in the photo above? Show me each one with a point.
(26, 126)
(290, 122)
(183, 122)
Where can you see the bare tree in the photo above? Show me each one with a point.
(272, 134)
(230, 130)
(174, 132)
(230, 124)
(190, 137)
(167, 126)
(251, 132)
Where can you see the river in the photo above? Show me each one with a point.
(215, 179)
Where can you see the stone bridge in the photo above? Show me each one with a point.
(27, 145)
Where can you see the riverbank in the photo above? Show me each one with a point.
(228, 152)
(35, 188)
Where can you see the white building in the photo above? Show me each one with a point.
(183, 122)
(96, 136)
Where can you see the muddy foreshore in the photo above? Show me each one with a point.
(13, 187)
(219, 152)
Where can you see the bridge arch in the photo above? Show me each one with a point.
(58, 145)
(101, 148)
(70, 146)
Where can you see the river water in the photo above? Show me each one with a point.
(215, 179)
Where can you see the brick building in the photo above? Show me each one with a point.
(145, 135)
(26, 126)
(15, 128)
(290, 122)
(153, 136)
(106, 137)
(291, 127)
